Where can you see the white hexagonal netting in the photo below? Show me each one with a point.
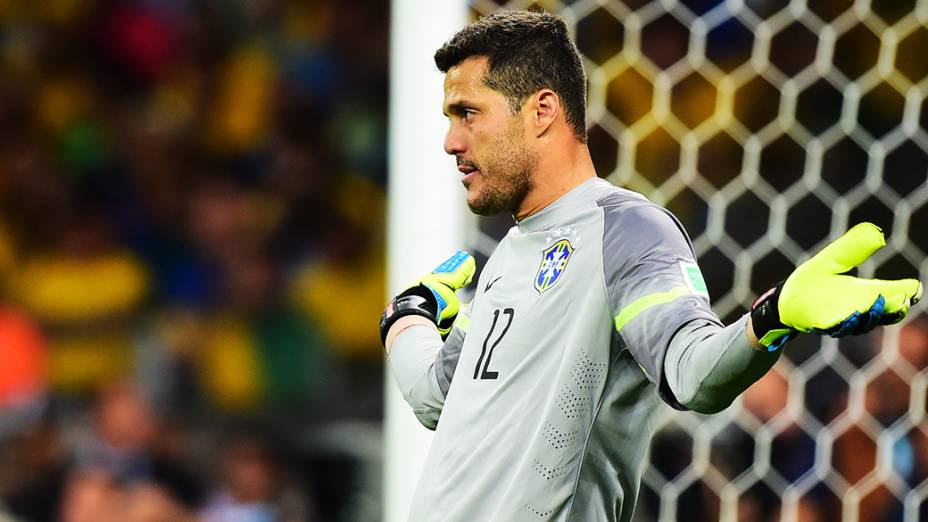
(769, 127)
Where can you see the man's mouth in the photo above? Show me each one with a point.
(469, 170)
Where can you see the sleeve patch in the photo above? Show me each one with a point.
(694, 280)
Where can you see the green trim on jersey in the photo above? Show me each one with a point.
(643, 303)
(462, 322)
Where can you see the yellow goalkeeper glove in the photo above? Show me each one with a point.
(433, 296)
(818, 297)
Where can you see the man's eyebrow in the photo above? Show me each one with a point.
(456, 108)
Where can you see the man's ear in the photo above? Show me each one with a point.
(545, 108)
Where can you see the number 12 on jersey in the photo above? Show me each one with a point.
(485, 372)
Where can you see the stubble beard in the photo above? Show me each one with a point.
(507, 176)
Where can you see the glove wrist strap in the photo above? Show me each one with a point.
(765, 318)
(410, 302)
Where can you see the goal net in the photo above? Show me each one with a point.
(769, 127)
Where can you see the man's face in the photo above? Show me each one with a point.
(487, 140)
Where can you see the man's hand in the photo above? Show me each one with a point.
(434, 296)
(818, 297)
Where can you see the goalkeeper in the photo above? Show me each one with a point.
(589, 311)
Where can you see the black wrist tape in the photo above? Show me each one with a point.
(411, 302)
(765, 314)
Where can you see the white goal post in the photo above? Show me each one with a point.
(427, 218)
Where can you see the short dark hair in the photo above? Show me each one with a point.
(527, 51)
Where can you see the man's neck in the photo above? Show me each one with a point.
(556, 177)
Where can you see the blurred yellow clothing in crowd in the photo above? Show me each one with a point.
(229, 364)
(84, 304)
(261, 359)
(240, 117)
(7, 255)
(357, 283)
(79, 363)
(358, 287)
(67, 290)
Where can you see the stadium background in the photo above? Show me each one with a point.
(192, 247)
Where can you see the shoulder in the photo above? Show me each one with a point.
(610, 196)
(633, 221)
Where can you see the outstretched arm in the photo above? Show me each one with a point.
(707, 366)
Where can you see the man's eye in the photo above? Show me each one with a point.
(468, 114)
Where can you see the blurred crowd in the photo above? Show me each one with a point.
(191, 253)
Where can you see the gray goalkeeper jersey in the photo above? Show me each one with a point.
(543, 397)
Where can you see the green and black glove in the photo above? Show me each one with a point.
(819, 297)
(434, 296)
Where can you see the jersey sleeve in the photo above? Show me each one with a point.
(653, 282)
(707, 366)
(423, 367)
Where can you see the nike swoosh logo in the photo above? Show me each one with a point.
(491, 283)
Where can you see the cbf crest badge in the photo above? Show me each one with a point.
(553, 263)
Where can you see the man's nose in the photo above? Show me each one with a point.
(454, 144)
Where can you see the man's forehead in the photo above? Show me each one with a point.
(465, 79)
